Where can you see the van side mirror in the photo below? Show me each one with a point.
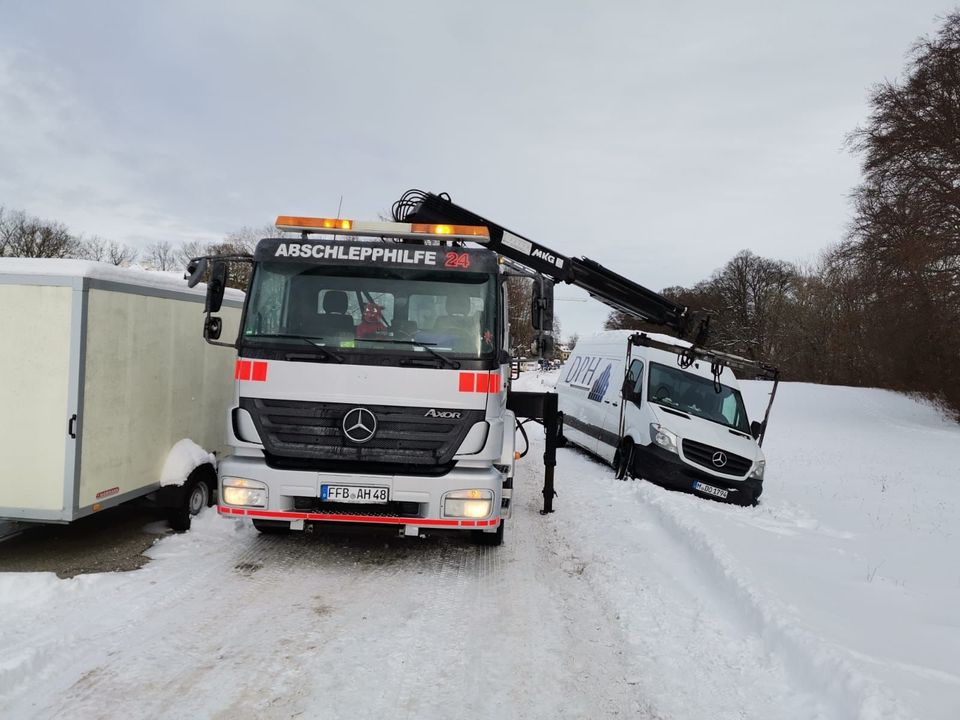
(626, 390)
(216, 286)
(756, 429)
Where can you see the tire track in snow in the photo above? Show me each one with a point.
(696, 649)
(813, 666)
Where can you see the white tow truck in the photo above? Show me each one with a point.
(373, 371)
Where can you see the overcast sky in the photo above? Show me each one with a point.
(656, 138)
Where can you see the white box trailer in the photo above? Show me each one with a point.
(101, 375)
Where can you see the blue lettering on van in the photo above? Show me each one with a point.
(590, 366)
(599, 388)
(575, 362)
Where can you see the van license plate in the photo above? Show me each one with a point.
(710, 490)
(354, 494)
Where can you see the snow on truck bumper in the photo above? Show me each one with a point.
(299, 496)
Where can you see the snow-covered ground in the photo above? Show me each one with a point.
(835, 598)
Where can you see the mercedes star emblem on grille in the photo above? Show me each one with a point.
(719, 458)
(359, 425)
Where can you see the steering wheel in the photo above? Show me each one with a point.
(662, 393)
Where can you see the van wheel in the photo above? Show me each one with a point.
(623, 460)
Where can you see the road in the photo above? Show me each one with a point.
(227, 623)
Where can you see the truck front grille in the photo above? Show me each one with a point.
(313, 431)
(703, 455)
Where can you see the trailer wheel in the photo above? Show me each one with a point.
(190, 499)
(490, 539)
(623, 460)
(195, 499)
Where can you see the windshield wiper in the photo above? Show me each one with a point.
(324, 353)
(426, 346)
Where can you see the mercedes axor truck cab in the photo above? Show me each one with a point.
(654, 412)
(371, 383)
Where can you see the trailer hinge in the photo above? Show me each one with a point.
(72, 426)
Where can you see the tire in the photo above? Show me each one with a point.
(272, 527)
(623, 460)
(489, 539)
(195, 499)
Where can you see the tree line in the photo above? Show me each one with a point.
(880, 308)
(27, 236)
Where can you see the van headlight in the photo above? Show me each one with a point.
(468, 503)
(662, 437)
(241, 491)
(758, 469)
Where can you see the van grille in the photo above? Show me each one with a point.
(313, 431)
(701, 454)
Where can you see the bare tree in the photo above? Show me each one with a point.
(96, 248)
(120, 254)
(904, 243)
(190, 249)
(160, 256)
(24, 236)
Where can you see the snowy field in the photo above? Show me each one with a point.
(836, 598)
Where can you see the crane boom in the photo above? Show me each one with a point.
(600, 282)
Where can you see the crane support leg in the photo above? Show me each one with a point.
(541, 407)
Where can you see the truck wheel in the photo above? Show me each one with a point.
(195, 499)
(272, 527)
(489, 539)
(623, 460)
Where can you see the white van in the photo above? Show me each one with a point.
(627, 398)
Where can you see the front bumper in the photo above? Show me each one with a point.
(667, 469)
(415, 501)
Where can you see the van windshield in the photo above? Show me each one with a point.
(673, 388)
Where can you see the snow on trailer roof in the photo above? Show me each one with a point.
(133, 276)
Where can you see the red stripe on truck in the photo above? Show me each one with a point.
(373, 520)
(250, 370)
(480, 382)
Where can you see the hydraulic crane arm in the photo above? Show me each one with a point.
(600, 282)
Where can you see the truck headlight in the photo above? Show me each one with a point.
(468, 503)
(758, 469)
(663, 437)
(241, 491)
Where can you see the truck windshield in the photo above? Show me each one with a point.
(673, 388)
(372, 309)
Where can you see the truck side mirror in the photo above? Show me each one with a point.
(195, 271)
(626, 390)
(547, 346)
(216, 286)
(756, 429)
(212, 327)
(541, 304)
